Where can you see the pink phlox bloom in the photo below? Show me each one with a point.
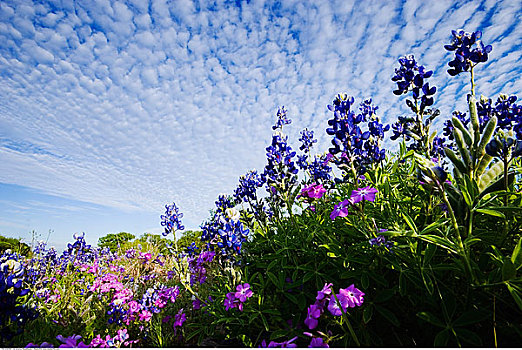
(327, 290)
(122, 296)
(333, 307)
(316, 191)
(134, 306)
(55, 297)
(98, 342)
(145, 257)
(122, 335)
(106, 287)
(354, 296)
(365, 193)
(341, 209)
(145, 315)
(243, 292)
(304, 191)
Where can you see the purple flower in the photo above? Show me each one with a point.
(318, 343)
(180, 318)
(365, 193)
(353, 296)
(314, 312)
(230, 301)
(71, 342)
(341, 209)
(243, 292)
(316, 191)
(327, 290)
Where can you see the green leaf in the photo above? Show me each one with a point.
(472, 317)
(390, 316)
(367, 314)
(440, 241)
(467, 336)
(433, 226)
(508, 270)
(456, 161)
(429, 252)
(465, 133)
(516, 295)
(410, 222)
(292, 298)
(384, 295)
(491, 212)
(441, 339)
(516, 257)
(365, 281)
(431, 318)
(273, 278)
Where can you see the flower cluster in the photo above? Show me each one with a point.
(319, 169)
(282, 119)
(172, 219)
(380, 241)
(273, 344)
(469, 51)
(358, 148)
(336, 305)
(198, 272)
(12, 286)
(248, 185)
(225, 232)
(280, 172)
(307, 139)
(236, 299)
(411, 77)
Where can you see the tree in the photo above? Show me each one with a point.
(112, 240)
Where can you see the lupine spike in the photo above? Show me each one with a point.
(489, 176)
(475, 123)
(486, 137)
(456, 162)
(482, 165)
(465, 133)
(464, 153)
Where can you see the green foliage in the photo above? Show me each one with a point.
(15, 244)
(112, 241)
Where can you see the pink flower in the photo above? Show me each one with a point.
(341, 209)
(133, 307)
(145, 315)
(316, 191)
(365, 193)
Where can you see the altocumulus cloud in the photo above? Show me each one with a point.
(134, 104)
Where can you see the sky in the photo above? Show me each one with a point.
(111, 109)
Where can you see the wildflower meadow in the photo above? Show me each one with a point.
(354, 245)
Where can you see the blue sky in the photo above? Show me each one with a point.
(111, 109)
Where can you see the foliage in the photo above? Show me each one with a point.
(114, 240)
(15, 245)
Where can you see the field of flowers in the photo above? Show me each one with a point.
(353, 247)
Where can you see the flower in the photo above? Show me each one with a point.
(172, 219)
(323, 293)
(465, 56)
(180, 318)
(349, 297)
(365, 193)
(314, 312)
(341, 209)
(318, 343)
(243, 292)
(71, 342)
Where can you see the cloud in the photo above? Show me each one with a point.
(133, 106)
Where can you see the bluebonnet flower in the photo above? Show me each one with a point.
(191, 249)
(319, 169)
(466, 56)
(307, 139)
(172, 219)
(411, 77)
(448, 124)
(248, 185)
(282, 119)
(358, 148)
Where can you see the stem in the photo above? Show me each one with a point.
(472, 81)
(494, 323)
(506, 182)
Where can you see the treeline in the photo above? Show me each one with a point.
(123, 240)
(15, 244)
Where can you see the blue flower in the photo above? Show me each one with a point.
(466, 56)
(172, 219)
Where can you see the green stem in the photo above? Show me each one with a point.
(472, 81)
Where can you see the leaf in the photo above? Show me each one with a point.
(516, 257)
(468, 336)
(441, 339)
(429, 252)
(367, 314)
(486, 135)
(508, 270)
(431, 318)
(365, 281)
(384, 295)
(465, 133)
(390, 316)
(410, 222)
(428, 283)
(472, 317)
(491, 212)
(441, 242)
(456, 162)
(516, 295)
(433, 226)
(273, 278)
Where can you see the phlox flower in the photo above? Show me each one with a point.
(133, 307)
(179, 319)
(230, 301)
(314, 312)
(354, 296)
(341, 209)
(327, 290)
(243, 292)
(71, 342)
(365, 193)
(145, 315)
(316, 191)
(318, 343)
